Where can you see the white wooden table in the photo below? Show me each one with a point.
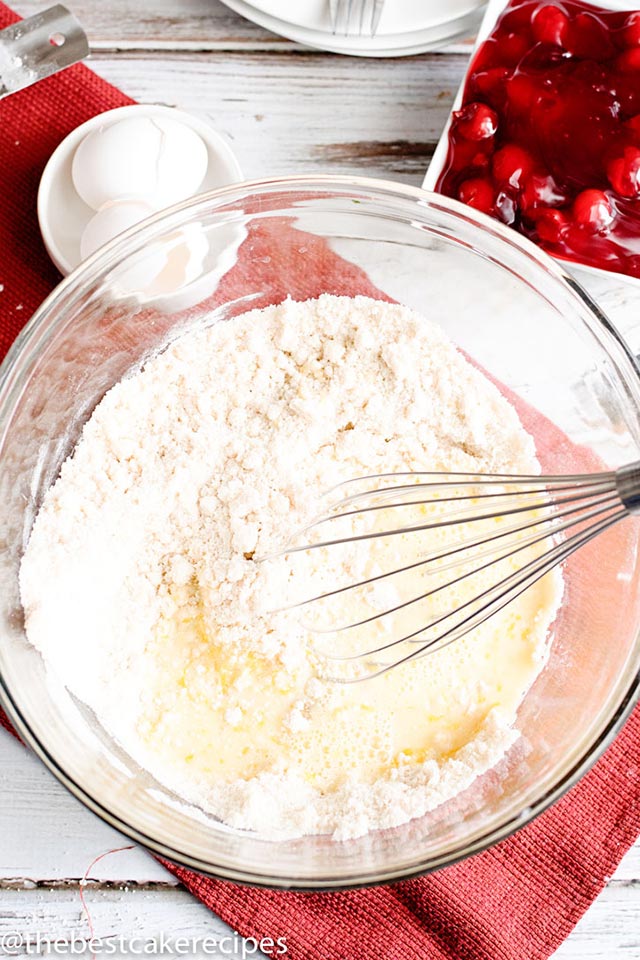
(285, 110)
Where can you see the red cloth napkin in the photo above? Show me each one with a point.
(517, 901)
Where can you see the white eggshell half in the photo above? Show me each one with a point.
(186, 253)
(109, 221)
(155, 159)
(164, 268)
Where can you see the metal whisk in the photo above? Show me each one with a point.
(490, 538)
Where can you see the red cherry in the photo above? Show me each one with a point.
(550, 25)
(629, 60)
(506, 208)
(516, 19)
(476, 121)
(477, 193)
(623, 173)
(465, 155)
(588, 38)
(592, 208)
(633, 265)
(490, 83)
(521, 93)
(634, 124)
(513, 47)
(631, 31)
(471, 155)
(551, 225)
(540, 190)
(627, 92)
(481, 162)
(512, 164)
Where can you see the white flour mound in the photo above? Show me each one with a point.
(199, 461)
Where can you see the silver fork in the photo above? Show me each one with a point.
(356, 18)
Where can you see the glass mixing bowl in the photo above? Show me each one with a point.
(509, 307)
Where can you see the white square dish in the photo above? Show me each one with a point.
(438, 161)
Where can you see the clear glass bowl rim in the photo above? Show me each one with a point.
(86, 275)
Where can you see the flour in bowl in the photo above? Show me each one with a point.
(143, 587)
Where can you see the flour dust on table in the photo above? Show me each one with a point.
(145, 589)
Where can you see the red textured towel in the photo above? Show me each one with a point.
(517, 901)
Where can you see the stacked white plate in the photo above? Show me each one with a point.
(406, 26)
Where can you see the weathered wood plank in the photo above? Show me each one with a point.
(167, 25)
(118, 917)
(47, 835)
(299, 113)
(609, 929)
(199, 24)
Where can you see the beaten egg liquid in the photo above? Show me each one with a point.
(222, 712)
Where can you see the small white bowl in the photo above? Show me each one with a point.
(63, 215)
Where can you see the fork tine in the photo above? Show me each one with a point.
(376, 13)
(340, 14)
(363, 8)
(334, 11)
(347, 25)
(344, 12)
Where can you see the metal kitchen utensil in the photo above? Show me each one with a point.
(510, 530)
(38, 47)
(356, 17)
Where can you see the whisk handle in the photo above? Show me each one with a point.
(628, 486)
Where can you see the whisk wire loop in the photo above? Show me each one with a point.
(506, 555)
(491, 607)
(509, 516)
(416, 528)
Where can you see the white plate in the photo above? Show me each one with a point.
(406, 26)
(439, 158)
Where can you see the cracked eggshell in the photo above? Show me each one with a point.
(185, 267)
(63, 215)
(166, 267)
(155, 159)
(109, 221)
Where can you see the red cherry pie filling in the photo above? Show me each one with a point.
(548, 136)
